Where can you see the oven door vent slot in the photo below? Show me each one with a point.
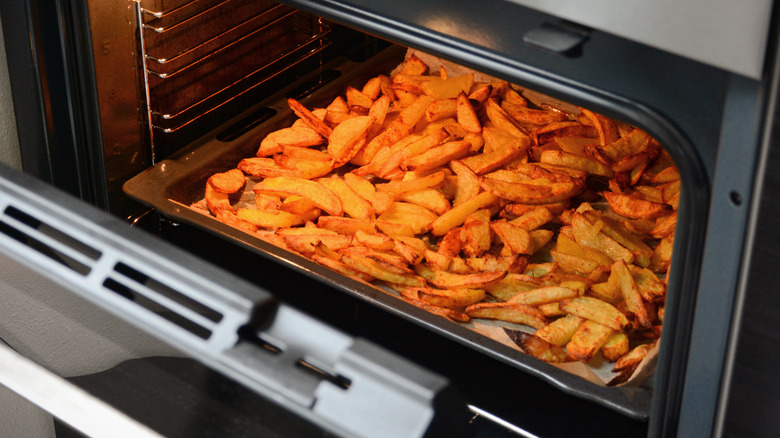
(60, 247)
(163, 300)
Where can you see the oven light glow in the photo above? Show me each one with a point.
(466, 31)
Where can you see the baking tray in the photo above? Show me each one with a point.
(173, 185)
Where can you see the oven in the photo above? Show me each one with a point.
(190, 326)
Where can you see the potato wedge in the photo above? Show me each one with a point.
(217, 201)
(437, 156)
(323, 197)
(595, 310)
(448, 280)
(352, 204)
(615, 347)
(398, 187)
(630, 292)
(510, 312)
(230, 181)
(560, 331)
(533, 192)
(345, 139)
(309, 118)
(293, 136)
(540, 348)
(416, 217)
(456, 299)
(371, 267)
(544, 295)
(635, 208)
(458, 214)
(265, 219)
(588, 339)
(515, 239)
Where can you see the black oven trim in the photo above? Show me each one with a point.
(49, 53)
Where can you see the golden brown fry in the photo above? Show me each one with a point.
(533, 219)
(532, 192)
(630, 292)
(266, 219)
(476, 236)
(510, 312)
(542, 349)
(269, 168)
(309, 118)
(467, 183)
(589, 235)
(566, 159)
(431, 199)
(458, 214)
(352, 204)
(502, 120)
(456, 299)
(615, 346)
(633, 357)
(448, 88)
(227, 182)
(323, 197)
(230, 218)
(346, 138)
(635, 208)
(467, 117)
(373, 268)
(498, 157)
(437, 156)
(515, 239)
(448, 280)
(441, 109)
(605, 127)
(398, 187)
(544, 295)
(595, 310)
(217, 201)
(491, 263)
(294, 136)
(635, 142)
(560, 331)
(587, 340)
(436, 310)
(512, 285)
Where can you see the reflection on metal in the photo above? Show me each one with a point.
(83, 412)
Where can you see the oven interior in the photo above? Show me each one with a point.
(204, 75)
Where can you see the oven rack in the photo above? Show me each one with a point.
(201, 55)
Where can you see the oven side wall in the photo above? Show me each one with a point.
(9, 142)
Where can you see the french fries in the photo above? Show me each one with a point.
(466, 201)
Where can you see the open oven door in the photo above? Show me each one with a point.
(318, 375)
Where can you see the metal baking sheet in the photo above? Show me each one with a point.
(175, 185)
